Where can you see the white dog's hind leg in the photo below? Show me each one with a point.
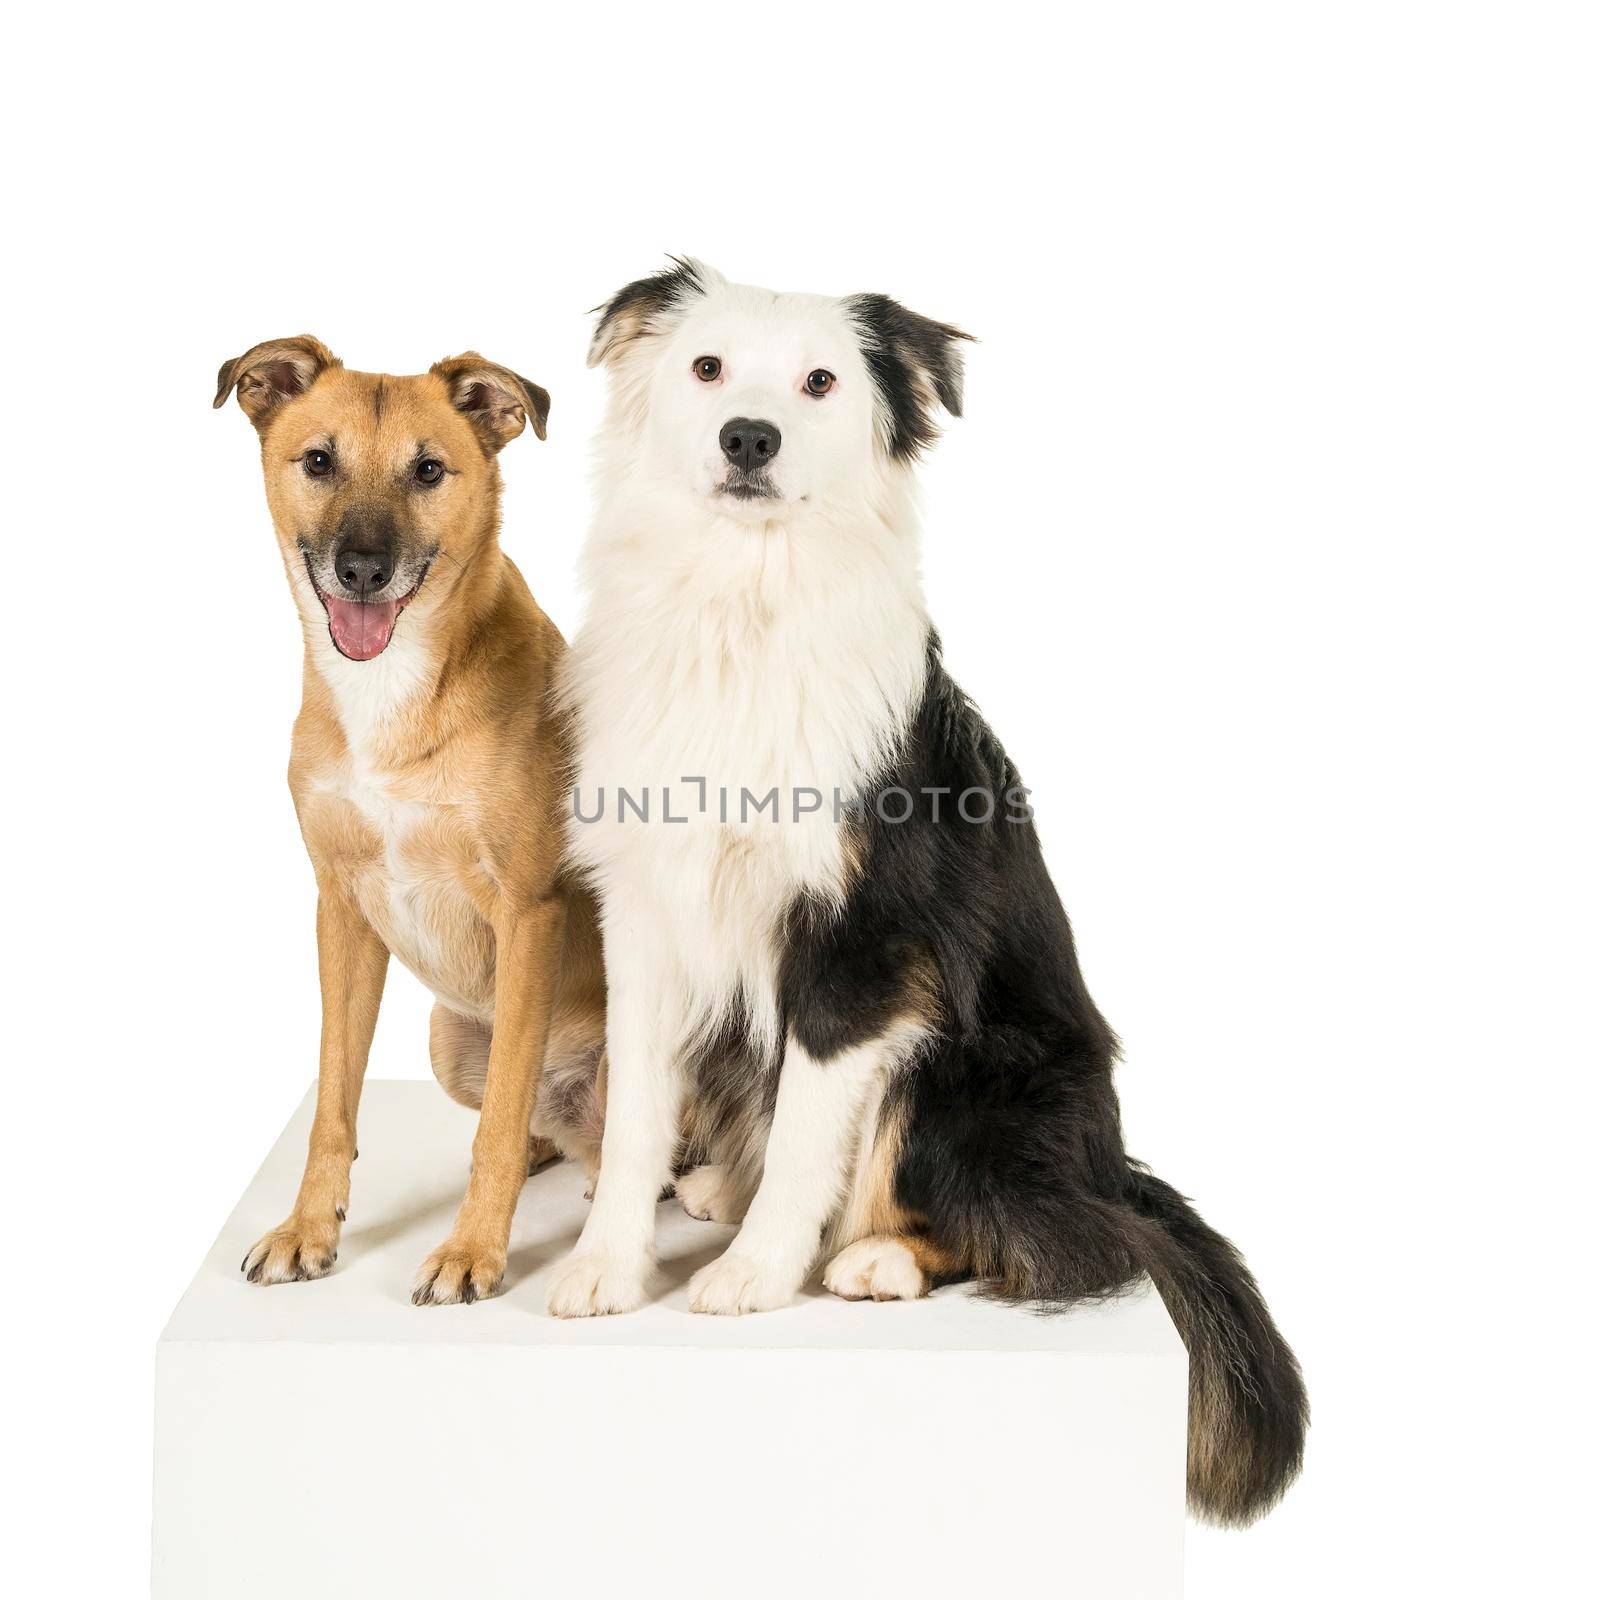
(813, 1134)
(876, 1268)
(712, 1194)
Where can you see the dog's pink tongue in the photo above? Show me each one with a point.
(361, 631)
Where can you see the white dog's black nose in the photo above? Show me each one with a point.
(748, 444)
(361, 572)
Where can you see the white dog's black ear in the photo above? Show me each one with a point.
(916, 367)
(644, 306)
(271, 373)
(498, 402)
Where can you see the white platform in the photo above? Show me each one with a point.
(331, 1439)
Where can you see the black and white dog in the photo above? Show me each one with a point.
(844, 1000)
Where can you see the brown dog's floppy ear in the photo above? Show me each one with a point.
(272, 373)
(494, 399)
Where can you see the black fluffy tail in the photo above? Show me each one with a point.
(1247, 1400)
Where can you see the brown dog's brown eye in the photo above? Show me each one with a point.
(429, 471)
(318, 463)
(819, 382)
(708, 369)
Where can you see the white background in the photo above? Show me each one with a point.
(1267, 545)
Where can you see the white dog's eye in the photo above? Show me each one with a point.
(820, 381)
(707, 369)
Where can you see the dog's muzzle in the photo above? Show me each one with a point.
(750, 446)
(361, 620)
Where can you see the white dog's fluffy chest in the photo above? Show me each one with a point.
(706, 688)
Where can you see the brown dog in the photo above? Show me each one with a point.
(428, 777)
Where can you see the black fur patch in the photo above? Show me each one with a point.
(1012, 1154)
(629, 312)
(915, 363)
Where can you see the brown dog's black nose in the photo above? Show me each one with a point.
(362, 572)
(749, 444)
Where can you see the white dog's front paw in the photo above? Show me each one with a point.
(734, 1284)
(876, 1269)
(595, 1286)
(711, 1195)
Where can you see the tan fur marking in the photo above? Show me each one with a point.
(923, 992)
(877, 1211)
(934, 1259)
(872, 1209)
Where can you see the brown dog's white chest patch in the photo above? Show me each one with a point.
(410, 861)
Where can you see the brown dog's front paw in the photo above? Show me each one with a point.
(457, 1273)
(293, 1253)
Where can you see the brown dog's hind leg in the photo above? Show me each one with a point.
(458, 1047)
(541, 1152)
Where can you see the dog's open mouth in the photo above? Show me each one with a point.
(362, 629)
